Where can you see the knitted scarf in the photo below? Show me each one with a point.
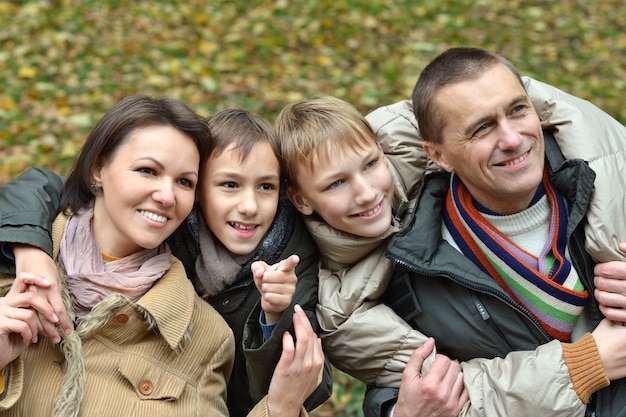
(546, 285)
(93, 291)
(216, 266)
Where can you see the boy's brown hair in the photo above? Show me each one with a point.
(320, 127)
(242, 128)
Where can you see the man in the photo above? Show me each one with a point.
(493, 263)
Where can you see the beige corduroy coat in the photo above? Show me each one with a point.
(179, 368)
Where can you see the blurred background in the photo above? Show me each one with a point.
(64, 63)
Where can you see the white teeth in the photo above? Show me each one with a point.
(153, 216)
(370, 212)
(516, 160)
(242, 227)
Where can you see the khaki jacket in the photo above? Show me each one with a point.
(179, 369)
(362, 336)
(581, 130)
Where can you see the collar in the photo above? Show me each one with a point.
(170, 301)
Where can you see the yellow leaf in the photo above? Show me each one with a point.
(6, 103)
(27, 71)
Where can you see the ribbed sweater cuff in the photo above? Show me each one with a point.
(585, 367)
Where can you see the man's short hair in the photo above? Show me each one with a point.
(452, 66)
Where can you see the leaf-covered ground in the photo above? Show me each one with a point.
(64, 63)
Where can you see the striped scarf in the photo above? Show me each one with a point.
(538, 283)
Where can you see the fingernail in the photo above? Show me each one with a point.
(297, 308)
(68, 330)
(55, 318)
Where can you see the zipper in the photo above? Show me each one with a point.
(474, 287)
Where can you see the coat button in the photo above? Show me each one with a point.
(146, 387)
(120, 319)
(226, 302)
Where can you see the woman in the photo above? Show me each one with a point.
(144, 343)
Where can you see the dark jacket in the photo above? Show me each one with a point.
(29, 203)
(442, 294)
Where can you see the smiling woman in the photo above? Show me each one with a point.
(132, 185)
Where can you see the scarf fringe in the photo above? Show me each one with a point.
(72, 390)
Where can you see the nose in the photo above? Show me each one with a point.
(365, 191)
(248, 203)
(165, 194)
(509, 138)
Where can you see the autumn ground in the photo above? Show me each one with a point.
(63, 63)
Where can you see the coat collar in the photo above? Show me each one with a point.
(347, 249)
(170, 301)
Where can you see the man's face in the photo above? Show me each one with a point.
(492, 139)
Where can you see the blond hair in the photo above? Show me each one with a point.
(320, 127)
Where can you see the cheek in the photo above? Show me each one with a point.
(186, 201)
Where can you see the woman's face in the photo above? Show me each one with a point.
(147, 189)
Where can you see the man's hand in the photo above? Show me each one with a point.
(277, 285)
(30, 263)
(611, 342)
(440, 393)
(18, 317)
(299, 370)
(610, 281)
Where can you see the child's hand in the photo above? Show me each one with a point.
(18, 316)
(277, 284)
(299, 370)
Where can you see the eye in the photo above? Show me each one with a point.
(267, 187)
(519, 109)
(482, 130)
(335, 184)
(371, 164)
(187, 183)
(229, 184)
(146, 170)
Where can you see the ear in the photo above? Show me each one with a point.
(299, 201)
(435, 155)
(96, 173)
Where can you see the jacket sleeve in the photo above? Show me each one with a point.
(28, 206)
(398, 133)
(541, 372)
(362, 336)
(524, 383)
(584, 131)
(13, 372)
(260, 410)
(263, 356)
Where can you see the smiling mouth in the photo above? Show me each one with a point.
(370, 212)
(242, 227)
(153, 216)
(516, 160)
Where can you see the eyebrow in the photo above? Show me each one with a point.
(367, 156)
(238, 175)
(469, 131)
(160, 165)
